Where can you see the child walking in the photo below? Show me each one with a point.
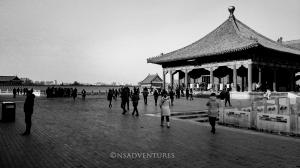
(213, 111)
(165, 108)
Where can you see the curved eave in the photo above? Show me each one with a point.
(155, 61)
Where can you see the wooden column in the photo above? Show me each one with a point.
(293, 82)
(250, 77)
(274, 79)
(234, 78)
(259, 75)
(179, 84)
(212, 78)
(186, 78)
(164, 79)
(171, 79)
(228, 79)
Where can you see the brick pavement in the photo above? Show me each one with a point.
(84, 133)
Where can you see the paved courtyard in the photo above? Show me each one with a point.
(89, 134)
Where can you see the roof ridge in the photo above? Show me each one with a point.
(291, 41)
(193, 42)
(238, 31)
(211, 32)
(255, 32)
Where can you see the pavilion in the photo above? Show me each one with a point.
(152, 81)
(236, 55)
(10, 80)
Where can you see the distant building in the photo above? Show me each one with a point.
(10, 80)
(153, 81)
(49, 83)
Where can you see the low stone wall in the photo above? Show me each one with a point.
(273, 122)
(266, 115)
(236, 117)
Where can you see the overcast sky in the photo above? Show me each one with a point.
(110, 40)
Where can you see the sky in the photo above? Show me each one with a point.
(110, 40)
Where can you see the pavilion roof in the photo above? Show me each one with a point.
(231, 36)
(152, 79)
(9, 78)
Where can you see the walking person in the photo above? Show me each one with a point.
(171, 94)
(145, 94)
(14, 92)
(213, 111)
(178, 93)
(125, 99)
(187, 94)
(28, 110)
(109, 97)
(222, 96)
(227, 97)
(191, 94)
(74, 94)
(135, 101)
(155, 95)
(115, 94)
(83, 94)
(165, 108)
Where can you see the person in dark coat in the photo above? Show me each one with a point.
(28, 110)
(14, 92)
(110, 97)
(187, 94)
(171, 94)
(145, 95)
(178, 93)
(135, 101)
(74, 94)
(191, 94)
(125, 99)
(83, 94)
(122, 91)
(155, 95)
(227, 97)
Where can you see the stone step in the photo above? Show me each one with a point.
(187, 113)
(192, 116)
(205, 119)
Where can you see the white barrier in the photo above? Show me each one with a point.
(237, 118)
(273, 122)
(282, 116)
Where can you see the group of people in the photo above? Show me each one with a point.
(60, 92)
(166, 102)
(19, 91)
(64, 92)
(225, 95)
(126, 94)
(188, 93)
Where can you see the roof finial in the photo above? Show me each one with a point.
(231, 10)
